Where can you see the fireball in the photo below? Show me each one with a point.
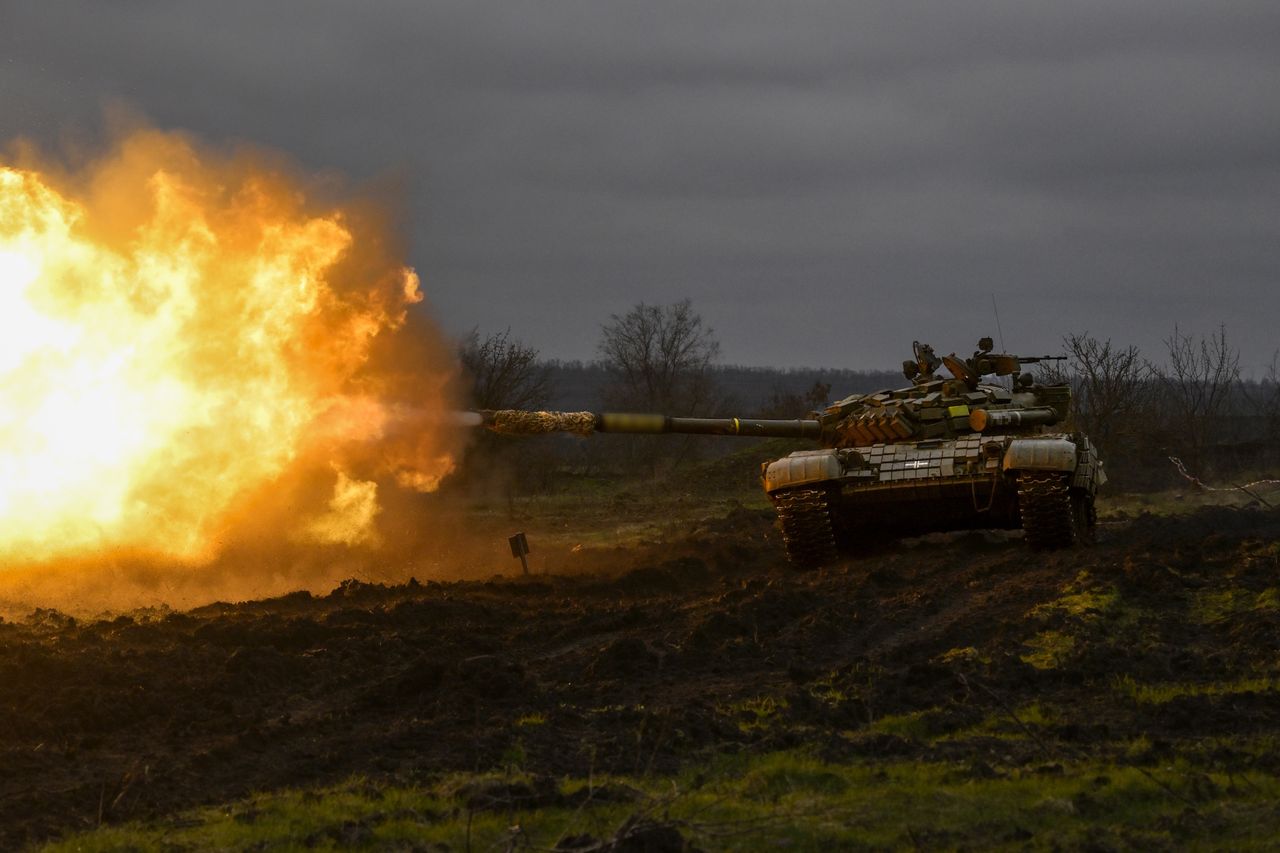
(175, 335)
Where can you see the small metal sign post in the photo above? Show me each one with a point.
(520, 548)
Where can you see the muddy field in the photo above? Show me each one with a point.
(1160, 641)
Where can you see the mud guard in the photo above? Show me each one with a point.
(798, 469)
(1040, 454)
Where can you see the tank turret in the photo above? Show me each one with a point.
(981, 447)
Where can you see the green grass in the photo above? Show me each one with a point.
(1209, 607)
(756, 714)
(1012, 726)
(967, 654)
(914, 725)
(1163, 692)
(789, 800)
(1049, 649)
(1086, 613)
(1082, 599)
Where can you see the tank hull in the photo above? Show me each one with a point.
(974, 482)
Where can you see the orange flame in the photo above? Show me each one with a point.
(177, 332)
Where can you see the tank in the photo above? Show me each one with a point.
(983, 447)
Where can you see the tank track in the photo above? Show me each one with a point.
(1086, 517)
(807, 530)
(1048, 517)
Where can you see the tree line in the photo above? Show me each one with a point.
(1191, 404)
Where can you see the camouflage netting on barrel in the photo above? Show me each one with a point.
(513, 422)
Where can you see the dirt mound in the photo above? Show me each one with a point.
(939, 649)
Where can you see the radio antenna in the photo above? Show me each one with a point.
(999, 331)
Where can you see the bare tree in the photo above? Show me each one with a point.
(1263, 397)
(1112, 391)
(659, 358)
(1199, 379)
(505, 373)
(1270, 406)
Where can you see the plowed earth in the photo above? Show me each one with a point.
(1161, 638)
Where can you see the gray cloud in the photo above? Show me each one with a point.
(826, 180)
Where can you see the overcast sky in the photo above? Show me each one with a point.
(826, 181)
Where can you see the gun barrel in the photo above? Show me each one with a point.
(764, 427)
(986, 420)
(514, 422)
(519, 422)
